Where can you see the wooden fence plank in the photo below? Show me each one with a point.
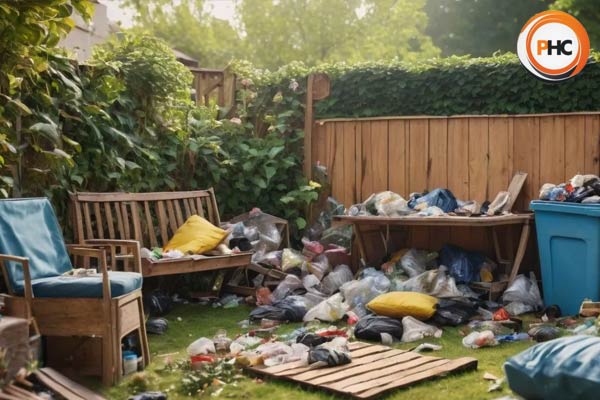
(418, 157)
(574, 145)
(349, 163)
(437, 172)
(592, 144)
(397, 170)
(379, 135)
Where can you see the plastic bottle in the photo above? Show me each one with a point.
(130, 363)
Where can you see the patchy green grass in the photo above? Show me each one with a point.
(197, 321)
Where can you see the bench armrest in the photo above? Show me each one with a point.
(24, 261)
(132, 251)
(99, 254)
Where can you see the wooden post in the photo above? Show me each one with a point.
(308, 125)
(317, 88)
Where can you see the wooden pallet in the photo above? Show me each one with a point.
(374, 370)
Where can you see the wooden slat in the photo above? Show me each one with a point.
(362, 352)
(150, 225)
(437, 173)
(78, 223)
(313, 376)
(377, 363)
(186, 208)
(200, 207)
(428, 373)
(149, 196)
(397, 169)
(552, 150)
(337, 169)
(88, 221)
(162, 221)
(73, 386)
(99, 222)
(526, 144)
(500, 157)
(418, 159)
(120, 226)
(592, 144)
(125, 216)
(574, 145)
(109, 220)
(350, 195)
(216, 219)
(171, 216)
(376, 376)
(366, 161)
(178, 213)
(379, 136)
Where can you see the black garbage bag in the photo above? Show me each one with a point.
(269, 312)
(157, 303)
(291, 309)
(149, 396)
(312, 339)
(453, 312)
(157, 326)
(371, 327)
(463, 265)
(331, 357)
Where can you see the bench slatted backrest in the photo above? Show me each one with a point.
(150, 218)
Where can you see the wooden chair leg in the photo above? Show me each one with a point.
(108, 358)
(143, 338)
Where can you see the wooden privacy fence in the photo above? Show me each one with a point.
(474, 156)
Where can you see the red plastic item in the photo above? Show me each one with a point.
(336, 332)
(201, 358)
(501, 315)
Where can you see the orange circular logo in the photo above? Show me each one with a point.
(553, 46)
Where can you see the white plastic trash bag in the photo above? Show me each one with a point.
(413, 330)
(329, 310)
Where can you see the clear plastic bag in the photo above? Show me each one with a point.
(311, 282)
(329, 310)
(475, 340)
(434, 283)
(319, 266)
(414, 330)
(415, 262)
(358, 293)
(524, 290)
(291, 259)
(387, 204)
(286, 287)
(335, 279)
(338, 235)
(201, 346)
(269, 238)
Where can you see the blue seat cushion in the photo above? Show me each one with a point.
(86, 287)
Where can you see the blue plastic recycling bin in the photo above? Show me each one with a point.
(568, 237)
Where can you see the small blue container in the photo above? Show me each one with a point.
(568, 237)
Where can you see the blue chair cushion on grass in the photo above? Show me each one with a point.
(86, 287)
(28, 228)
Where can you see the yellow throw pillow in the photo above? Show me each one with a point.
(196, 236)
(402, 304)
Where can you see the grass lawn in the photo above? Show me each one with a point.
(197, 321)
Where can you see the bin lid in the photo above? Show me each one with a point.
(592, 210)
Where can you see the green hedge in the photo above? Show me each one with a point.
(455, 85)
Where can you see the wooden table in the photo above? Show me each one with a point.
(493, 222)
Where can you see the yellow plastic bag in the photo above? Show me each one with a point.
(402, 304)
(196, 236)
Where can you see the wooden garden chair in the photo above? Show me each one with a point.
(34, 262)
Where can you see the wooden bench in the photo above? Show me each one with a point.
(151, 219)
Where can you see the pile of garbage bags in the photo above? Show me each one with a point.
(580, 189)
